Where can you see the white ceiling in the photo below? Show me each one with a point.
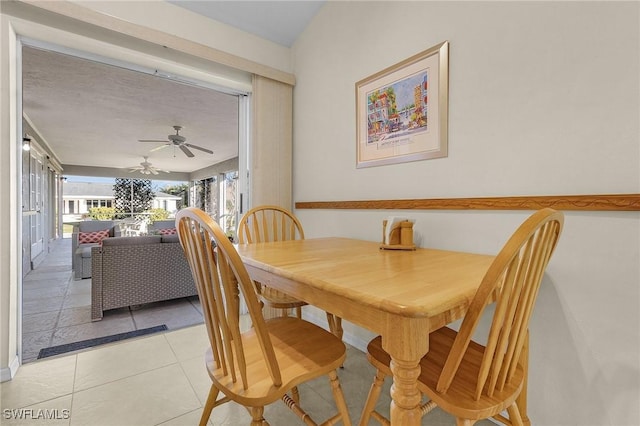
(92, 114)
(277, 21)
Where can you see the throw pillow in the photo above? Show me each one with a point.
(168, 231)
(92, 237)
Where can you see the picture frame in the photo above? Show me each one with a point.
(402, 111)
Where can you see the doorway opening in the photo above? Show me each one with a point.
(90, 104)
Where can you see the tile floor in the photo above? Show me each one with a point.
(154, 380)
(57, 309)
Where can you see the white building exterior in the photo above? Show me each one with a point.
(79, 197)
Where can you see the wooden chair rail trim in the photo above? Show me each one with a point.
(606, 202)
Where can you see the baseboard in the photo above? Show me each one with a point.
(7, 373)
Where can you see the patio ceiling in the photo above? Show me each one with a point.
(92, 114)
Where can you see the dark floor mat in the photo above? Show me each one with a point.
(84, 344)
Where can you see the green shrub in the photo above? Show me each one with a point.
(102, 213)
(158, 214)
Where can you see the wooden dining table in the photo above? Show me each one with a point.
(401, 295)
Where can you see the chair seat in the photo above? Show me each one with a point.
(302, 351)
(459, 399)
(278, 299)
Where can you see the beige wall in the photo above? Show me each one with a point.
(544, 99)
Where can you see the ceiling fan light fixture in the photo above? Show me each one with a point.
(146, 168)
(179, 141)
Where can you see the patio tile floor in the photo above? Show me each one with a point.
(57, 309)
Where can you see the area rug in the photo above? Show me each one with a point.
(84, 344)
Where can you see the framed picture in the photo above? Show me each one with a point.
(402, 111)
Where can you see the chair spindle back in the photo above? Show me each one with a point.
(269, 223)
(218, 272)
(514, 280)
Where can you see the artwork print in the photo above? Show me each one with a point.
(402, 111)
(397, 110)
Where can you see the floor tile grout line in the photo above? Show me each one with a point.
(40, 401)
(195, 392)
(73, 386)
(177, 417)
(66, 293)
(125, 377)
(42, 269)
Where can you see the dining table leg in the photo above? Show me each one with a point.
(405, 396)
(406, 342)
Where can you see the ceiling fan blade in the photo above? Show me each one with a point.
(199, 147)
(186, 151)
(158, 148)
(154, 171)
(153, 140)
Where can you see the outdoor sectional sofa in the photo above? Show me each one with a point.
(136, 270)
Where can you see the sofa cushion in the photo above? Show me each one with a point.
(167, 231)
(131, 241)
(92, 237)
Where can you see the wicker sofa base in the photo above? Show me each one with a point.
(136, 270)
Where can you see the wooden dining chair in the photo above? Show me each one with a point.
(272, 223)
(259, 366)
(469, 380)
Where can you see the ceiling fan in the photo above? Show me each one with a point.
(146, 168)
(179, 141)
